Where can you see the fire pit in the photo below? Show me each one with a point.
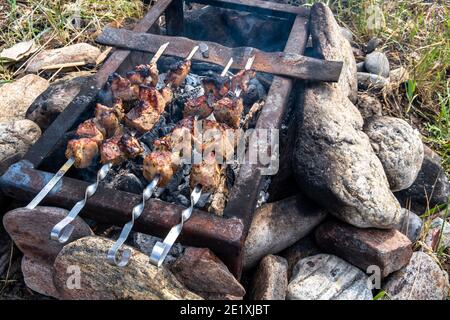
(224, 234)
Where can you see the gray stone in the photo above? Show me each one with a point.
(334, 163)
(369, 106)
(303, 248)
(145, 243)
(270, 281)
(411, 225)
(347, 34)
(16, 137)
(360, 67)
(377, 63)
(17, 96)
(327, 277)
(99, 280)
(421, 279)
(79, 52)
(205, 274)
(372, 45)
(54, 100)
(38, 276)
(390, 250)
(329, 44)
(399, 148)
(30, 230)
(431, 187)
(371, 81)
(438, 237)
(278, 225)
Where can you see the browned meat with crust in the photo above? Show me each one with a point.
(216, 86)
(131, 146)
(218, 138)
(91, 129)
(242, 79)
(153, 97)
(229, 110)
(206, 174)
(146, 74)
(142, 117)
(123, 89)
(178, 73)
(160, 163)
(197, 107)
(83, 150)
(108, 118)
(111, 151)
(167, 94)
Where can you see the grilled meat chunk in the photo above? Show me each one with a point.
(131, 146)
(123, 89)
(142, 117)
(229, 110)
(217, 138)
(197, 107)
(216, 86)
(162, 163)
(153, 97)
(91, 129)
(83, 150)
(146, 74)
(206, 174)
(111, 151)
(178, 73)
(241, 80)
(167, 94)
(108, 118)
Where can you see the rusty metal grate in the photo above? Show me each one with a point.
(223, 235)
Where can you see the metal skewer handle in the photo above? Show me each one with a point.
(63, 229)
(161, 249)
(51, 183)
(114, 256)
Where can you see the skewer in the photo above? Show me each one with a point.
(69, 163)
(114, 255)
(161, 249)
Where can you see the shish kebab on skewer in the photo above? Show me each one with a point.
(121, 258)
(112, 154)
(204, 177)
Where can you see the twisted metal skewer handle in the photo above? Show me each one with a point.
(114, 255)
(63, 229)
(161, 249)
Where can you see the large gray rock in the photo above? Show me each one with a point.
(399, 147)
(421, 279)
(327, 277)
(335, 165)
(17, 96)
(430, 188)
(270, 281)
(369, 106)
(203, 273)
(82, 272)
(411, 225)
(30, 230)
(377, 63)
(54, 100)
(278, 225)
(329, 44)
(16, 137)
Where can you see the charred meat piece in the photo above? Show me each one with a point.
(153, 97)
(178, 73)
(146, 74)
(179, 140)
(197, 107)
(123, 89)
(206, 174)
(83, 150)
(91, 129)
(162, 163)
(167, 94)
(229, 110)
(217, 138)
(108, 118)
(142, 117)
(131, 146)
(216, 86)
(242, 79)
(111, 151)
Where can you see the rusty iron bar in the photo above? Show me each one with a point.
(257, 6)
(286, 63)
(21, 182)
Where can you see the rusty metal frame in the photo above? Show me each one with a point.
(224, 235)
